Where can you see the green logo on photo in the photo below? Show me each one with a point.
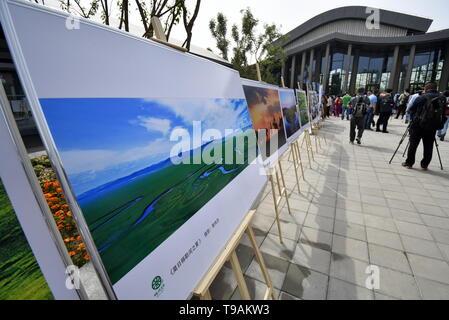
(156, 283)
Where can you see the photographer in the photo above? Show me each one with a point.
(427, 116)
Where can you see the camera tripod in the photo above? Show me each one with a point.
(408, 144)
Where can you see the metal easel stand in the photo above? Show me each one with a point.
(229, 254)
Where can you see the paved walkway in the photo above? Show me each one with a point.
(355, 210)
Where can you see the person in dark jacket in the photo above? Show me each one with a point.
(417, 132)
(359, 105)
(386, 104)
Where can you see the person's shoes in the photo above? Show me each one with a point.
(351, 142)
(378, 130)
(385, 131)
(405, 165)
(441, 137)
(358, 141)
(406, 121)
(424, 169)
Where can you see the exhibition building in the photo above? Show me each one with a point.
(343, 50)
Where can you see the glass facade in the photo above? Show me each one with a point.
(374, 72)
(427, 67)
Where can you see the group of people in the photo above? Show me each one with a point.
(426, 112)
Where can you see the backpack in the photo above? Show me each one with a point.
(386, 103)
(432, 116)
(360, 107)
(405, 99)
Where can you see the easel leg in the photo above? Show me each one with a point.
(285, 188)
(239, 277)
(260, 260)
(276, 209)
(298, 153)
(207, 296)
(295, 166)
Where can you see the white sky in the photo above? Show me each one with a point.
(291, 13)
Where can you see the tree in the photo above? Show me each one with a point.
(265, 49)
(219, 30)
(189, 21)
(76, 6)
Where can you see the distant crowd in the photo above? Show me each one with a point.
(426, 111)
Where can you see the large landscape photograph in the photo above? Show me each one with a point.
(266, 115)
(289, 112)
(117, 154)
(302, 107)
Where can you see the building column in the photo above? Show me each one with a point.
(326, 67)
(347, 66)
(312, 55)
(355, 70)
(445, 72)
(292, 72)
(393, 82)
(316, 74)
(303, 66)
(283, 70)
(411, 62)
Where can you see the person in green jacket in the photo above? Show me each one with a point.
(346, 99)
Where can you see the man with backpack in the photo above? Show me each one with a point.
(427, 116)
(403, 101)
(359, 105)
(386, 104)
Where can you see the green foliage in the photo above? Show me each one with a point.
(265, 48)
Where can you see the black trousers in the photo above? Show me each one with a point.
(401, 110)
(358, 122)
(383, 120)
(428, 139)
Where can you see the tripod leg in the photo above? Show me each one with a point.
(438, 152)
(400, 143)
(406, 148)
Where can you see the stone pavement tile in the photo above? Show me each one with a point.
(305, 283)
(316, 238)
(445, 250)
(299, 204)
(322, 210)
(389, 258)
(428, 268)
(396, 195)
(430, 210)
(432, 186)
(439, 194)
(317, 222)
(440, 235)
(381, 223)
(350, 230)
(224, 284)
(374, 200)
(341, 290)
(376, 210)
(262, 222)
(286, 296)
(367, 191)
(289, 230)
(422, 200)
(438, 222)
(271, 245)
(348, 269)
(349, 216)
(349, 204)
(384, 238)
(406, 216)
(245, 254)
(352, 248)
(411, 191)
(400, 204)
(421, 247)
(397, 284)
(277, 268)
(413, 230)
(380, 296)
(296, 215)
(312, 257)
(432, 290)
(256, 290)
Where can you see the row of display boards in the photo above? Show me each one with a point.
(121, 118)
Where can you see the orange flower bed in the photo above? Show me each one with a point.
(60, 210)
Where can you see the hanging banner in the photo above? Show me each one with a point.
(155, 147)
